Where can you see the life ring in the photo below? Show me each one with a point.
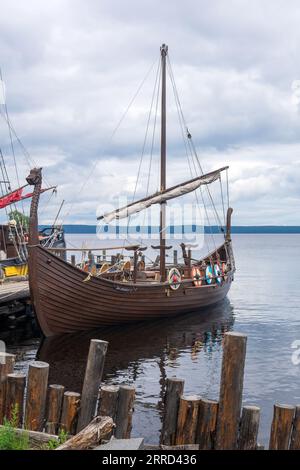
(196, 275)
(174, 278)
(104, 268)
(141, 266)
(86, 267)
(209, 274)
(218, 273)
(126, 266)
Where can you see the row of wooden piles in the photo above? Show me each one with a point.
(49, 409)
(187, 420)
(224, 423)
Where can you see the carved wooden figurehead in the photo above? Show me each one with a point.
(228, 223)
(34, 179)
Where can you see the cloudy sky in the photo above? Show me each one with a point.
(71, 67)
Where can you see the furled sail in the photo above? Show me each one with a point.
(162, 196)
(18, 195)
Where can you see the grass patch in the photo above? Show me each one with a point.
(9, 438)
(54, 443)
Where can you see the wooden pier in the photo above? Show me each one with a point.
(14, 290)
(103, 412)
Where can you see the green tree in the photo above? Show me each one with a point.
(20, 218)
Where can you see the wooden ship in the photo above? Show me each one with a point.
(121, 292)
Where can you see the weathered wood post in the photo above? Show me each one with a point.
(175, 257)
(73, 260)
(207, 423)
(108, 401)
(7, 362)
(187, 419)
(55, 399)
(281, 427)
(249, 428)
(92, 381)
(69, 414)
(14, 401)
(174, 390)
(124, 412)
(104, 255)
(295, 438)
(36, 395)
(231, 390)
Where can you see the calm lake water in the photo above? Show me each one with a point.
(263, 303)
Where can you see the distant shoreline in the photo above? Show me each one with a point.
(279, 229)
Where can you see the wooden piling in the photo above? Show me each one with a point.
(108, 402)
(7, 362)
(249, 428)
(124, 412)
(69, 414)
(14, 400)
(187, 419)
(231, 390)
(281, 427)
(175, 257)
(73, 260)
(54, 407)
(92, 381)
(36, 395)
(295, 437)
(207, 423)
(174, 389)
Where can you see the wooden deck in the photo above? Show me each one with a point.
(13, 290)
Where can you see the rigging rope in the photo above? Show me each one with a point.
(190, 140)
(110, 139)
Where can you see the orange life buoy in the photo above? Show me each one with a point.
(196, 275)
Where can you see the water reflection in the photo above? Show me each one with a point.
(131, 345)
(145, 354)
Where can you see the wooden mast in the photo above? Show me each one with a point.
(163, 51)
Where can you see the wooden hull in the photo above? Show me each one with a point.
(64, 303)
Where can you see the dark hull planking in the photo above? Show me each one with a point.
(64, 303)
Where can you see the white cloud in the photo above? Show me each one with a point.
(72, 66)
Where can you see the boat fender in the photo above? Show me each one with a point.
(196, 275)
(217, 272)
(174, 278)
(209, 274)
(224, 269)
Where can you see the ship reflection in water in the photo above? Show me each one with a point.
(145, 354)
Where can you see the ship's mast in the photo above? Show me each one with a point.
(163, 51)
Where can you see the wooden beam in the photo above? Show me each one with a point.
(15, 389)
(187, 419)
(92, 381)
(36, 395)
(231, 390)
(281, 427)
(90, 436)
(55, 399)
(295, 438)
(69, 414)
(207, 423)
(7, 362)
(249, 428)
(124, 412)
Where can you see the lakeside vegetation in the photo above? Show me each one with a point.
(92, 229)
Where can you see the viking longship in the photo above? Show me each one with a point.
(67, 298)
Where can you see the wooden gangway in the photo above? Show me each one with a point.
(14, 290)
